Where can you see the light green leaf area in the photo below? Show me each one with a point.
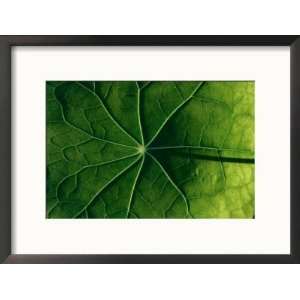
(144, 149)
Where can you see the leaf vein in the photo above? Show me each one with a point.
(109, 114)
(173, 112)
(172, 182)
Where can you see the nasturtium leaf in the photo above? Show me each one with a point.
(160, 149)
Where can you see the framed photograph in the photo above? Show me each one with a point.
(149, 149)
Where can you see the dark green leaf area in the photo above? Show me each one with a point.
(78, 191)
(159, 101)
(116, 200)
(122, 102)
(84, 110)
(156, 195)
(70, 149)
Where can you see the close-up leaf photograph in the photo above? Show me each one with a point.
(150, 149)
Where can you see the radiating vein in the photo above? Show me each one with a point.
(139, 111)
(172, 182)
(83, 168)
(109, 114)
(134, 186)
(87, 133)
(174, 111)
(200, 147)
(106, 185)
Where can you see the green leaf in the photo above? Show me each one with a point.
(150, 149)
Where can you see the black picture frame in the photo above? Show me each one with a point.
(6, 125)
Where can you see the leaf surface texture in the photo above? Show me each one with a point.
(160, 149)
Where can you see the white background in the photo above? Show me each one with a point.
(268, 233)
(151, 282)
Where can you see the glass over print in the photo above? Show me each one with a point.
(159, 149)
